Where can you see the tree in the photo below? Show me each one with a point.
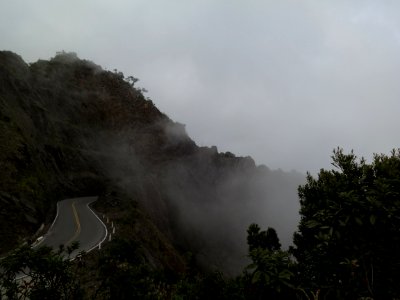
(348, 241)
(262, 239)
(272, 241)
(39, 273)
(271, 268)
(131, 80)
(125, 274)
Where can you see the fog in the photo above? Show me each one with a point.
(283, 81)
(202, 199)
(216, 204)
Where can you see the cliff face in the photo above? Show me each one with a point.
(70, 128)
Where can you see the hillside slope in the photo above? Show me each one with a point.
(69, 128)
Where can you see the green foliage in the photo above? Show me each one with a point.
(271, 273)
(131, 80)
(271, 270)
(262, 239)
(212, 285)
(29, 186)
(39, 273)
(270, 267)
(124, 273)
(348, 240)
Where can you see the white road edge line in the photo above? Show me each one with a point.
(105, 227)
(42, 240)
(49, 230)
(52, 224)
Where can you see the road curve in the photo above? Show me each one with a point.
(75, 221)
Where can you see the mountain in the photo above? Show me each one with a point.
(70, 128)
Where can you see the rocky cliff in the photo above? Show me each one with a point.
(69, 128)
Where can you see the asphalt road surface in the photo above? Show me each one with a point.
(75, 221)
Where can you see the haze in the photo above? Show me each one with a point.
(283, 81)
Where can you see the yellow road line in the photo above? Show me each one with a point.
(78, 224)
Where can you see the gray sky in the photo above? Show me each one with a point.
(283, 81)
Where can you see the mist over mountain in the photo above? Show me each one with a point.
(69, 128)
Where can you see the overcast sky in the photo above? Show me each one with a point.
(282, 81)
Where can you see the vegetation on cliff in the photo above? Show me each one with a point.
(69, 128)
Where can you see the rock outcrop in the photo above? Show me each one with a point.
(69, 128)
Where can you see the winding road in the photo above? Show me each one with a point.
(75, 221)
